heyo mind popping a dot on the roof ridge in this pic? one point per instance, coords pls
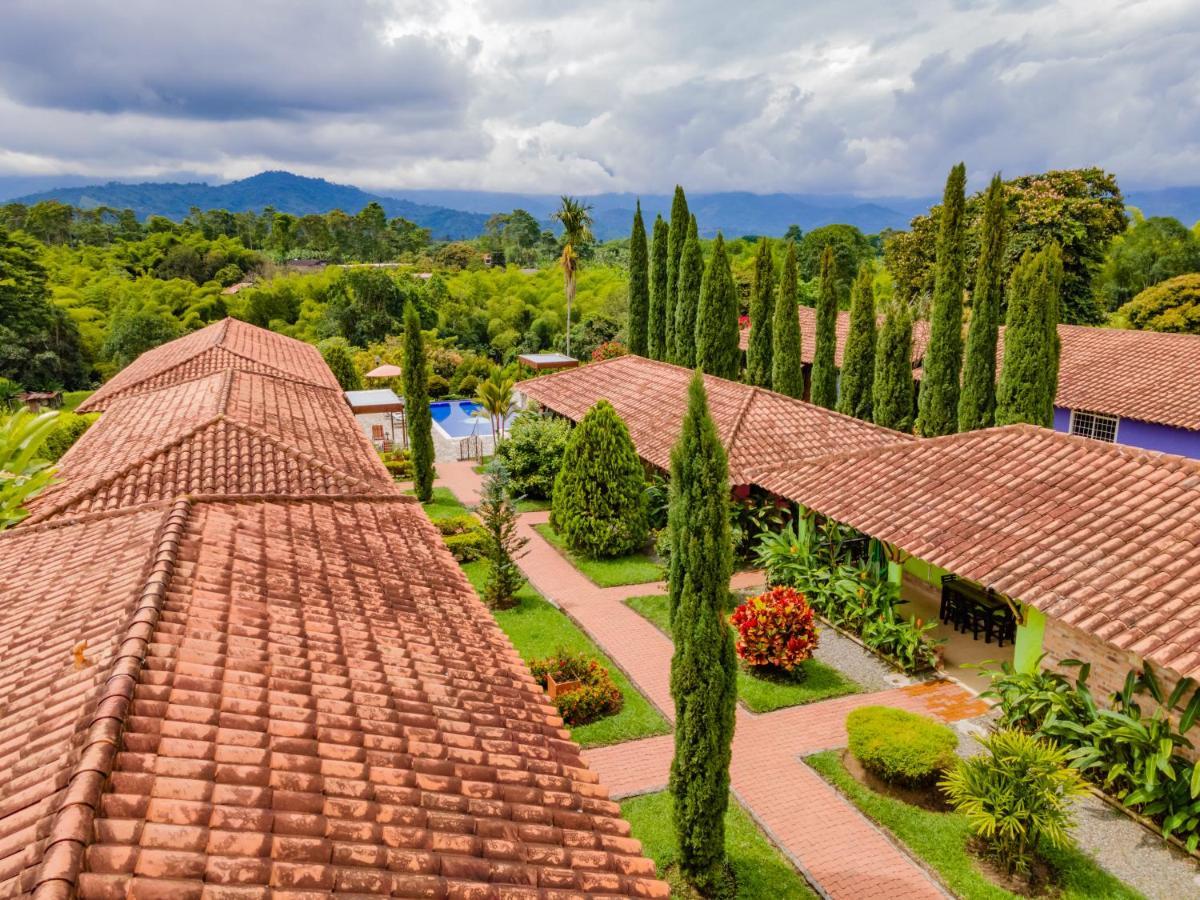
(28, 526)
(741, 415)
(71, 830)
(406, 499)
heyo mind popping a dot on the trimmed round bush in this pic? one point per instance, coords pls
(776, 629)
(900, 747)
(599, 503)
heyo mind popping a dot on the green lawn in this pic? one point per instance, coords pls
(636, 568)
(538, 629)
(527, 505)
(819, 682)
(443, 505)
(761, 871)
(940, 839)
(72, 399)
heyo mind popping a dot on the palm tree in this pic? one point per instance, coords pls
(576, 219)
(495, 395)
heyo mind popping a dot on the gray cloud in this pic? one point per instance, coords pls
(870, 96)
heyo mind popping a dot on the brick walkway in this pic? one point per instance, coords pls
(836, 847)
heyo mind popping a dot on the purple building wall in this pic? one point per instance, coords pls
(1147, 435)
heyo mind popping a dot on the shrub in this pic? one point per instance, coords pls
(468, 386)
(398, 463)
(1015, 794)
(900, 747)
(533, 453)
(599, 508)
(467, 545)
(458, 524)
(597, 695)
(437, 386)
(775, 629)
(609, 350)
(69, 429)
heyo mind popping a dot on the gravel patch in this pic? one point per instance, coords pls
(857, 663)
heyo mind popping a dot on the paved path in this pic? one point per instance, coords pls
(836, 847)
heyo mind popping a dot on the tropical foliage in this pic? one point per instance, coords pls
(532, 453)
(775, 629)
(23, 471)
(595, 696)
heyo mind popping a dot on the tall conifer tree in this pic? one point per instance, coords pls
(892, 395)
(824, 370)
(691, 279)
(762, 311)
(1029, 379)
(787, 366)
(977, 402)
(717, 347)
(657, 329)
(639, 287)
(704, 665)
(858, 361)
(937, 403)
(416, 405)
(676, 238)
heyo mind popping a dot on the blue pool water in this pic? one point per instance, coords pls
(457, 418)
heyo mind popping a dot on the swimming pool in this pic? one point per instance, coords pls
(458, 419)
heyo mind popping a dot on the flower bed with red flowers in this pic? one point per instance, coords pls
(775, 629)
(595, 696)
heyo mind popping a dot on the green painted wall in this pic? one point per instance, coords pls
(1028, 648)
(927, 572)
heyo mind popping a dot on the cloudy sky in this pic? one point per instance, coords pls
(876, 97)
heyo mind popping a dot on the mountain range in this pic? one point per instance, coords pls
(458, 214)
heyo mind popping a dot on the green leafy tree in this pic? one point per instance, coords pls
(851, 249)
(824, 370)
(704, 665)
(893, 392)
(717, 346)
(24, 472)
(687, 300)
(134, 331)
(787, 367)
(1029, 379)
(977, 401)
(639, 287)
(502, 543)
(676, 238)
(1152, 251)
(576, 220)
(532, 454)
(762, 311)
(1171, 305)
(937, 403)
(659, 258)
(336, 353)
(858, 363)
(598, 495)
(416, 405)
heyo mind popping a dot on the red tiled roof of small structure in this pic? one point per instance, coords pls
(808, 335)
(222, 345)
(1103, 537)
(757, 426)
(231, 432)
(309, 697)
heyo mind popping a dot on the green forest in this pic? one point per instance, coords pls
(83, 292)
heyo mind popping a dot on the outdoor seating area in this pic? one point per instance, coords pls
(973, 610)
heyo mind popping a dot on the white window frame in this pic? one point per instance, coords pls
(1116, 420)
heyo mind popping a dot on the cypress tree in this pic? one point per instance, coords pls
(858, 362)
(762, 310)
(704, 665)
(717, 349)
(598, 505)
(787, 367)
(977, 402)
(687, 301)
(416, 405)
(1029, 379)
(676, 238)
(639, 287)
(824, 370)
(937, 403)
(892, 394)
(657, 329)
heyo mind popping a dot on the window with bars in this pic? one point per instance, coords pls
(1094, 425)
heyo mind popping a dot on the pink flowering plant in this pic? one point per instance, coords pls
(775, 629)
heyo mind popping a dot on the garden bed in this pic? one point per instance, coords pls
(538, 629)
(759, 869)
(762, 693)
(636, 568)
(942, 841)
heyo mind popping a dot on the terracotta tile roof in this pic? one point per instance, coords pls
(231, 432)
(808, 335)
(1103, 537)
(324, 705)
(757, 426)
(222, 345)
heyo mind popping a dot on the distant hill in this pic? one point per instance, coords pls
(455, 214)
(284, 191)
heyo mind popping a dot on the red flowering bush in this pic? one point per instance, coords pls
(775, 629)
(596, 696)
(609, 350)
